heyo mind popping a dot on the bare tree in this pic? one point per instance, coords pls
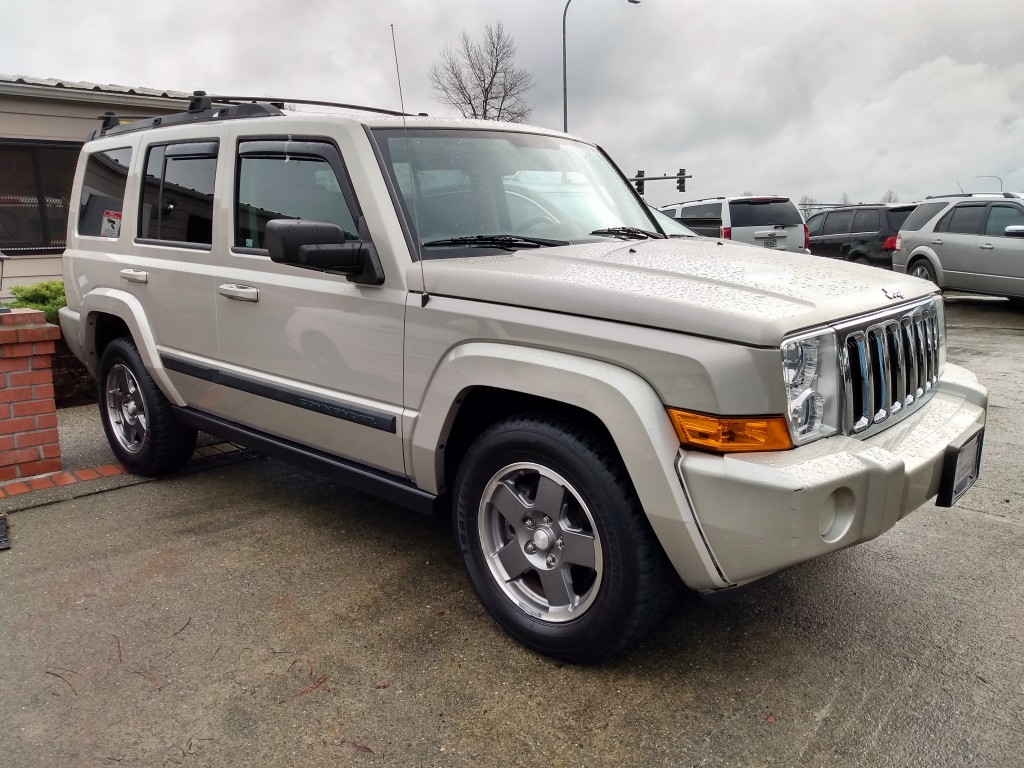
(845, 199)
(480, 78)
(890, 196)
(808, 204)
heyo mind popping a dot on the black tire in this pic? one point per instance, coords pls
(923, 269)
(609, 581)
(862, 260)
(136, 416)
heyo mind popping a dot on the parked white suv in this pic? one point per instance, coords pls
(485, 318)
(771, 222)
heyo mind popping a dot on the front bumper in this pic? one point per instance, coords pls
(759, 513)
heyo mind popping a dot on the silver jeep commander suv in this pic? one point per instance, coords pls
(486, 319)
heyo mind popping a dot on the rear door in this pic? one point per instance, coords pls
(771, 222)
(955, 243)
(172, 267)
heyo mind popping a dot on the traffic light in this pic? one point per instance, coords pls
(640, 182)
(681, 181)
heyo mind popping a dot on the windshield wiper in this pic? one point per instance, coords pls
(627, 233)
(505, 242)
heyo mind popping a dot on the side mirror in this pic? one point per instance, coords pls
(1014, 230)
(322, 246)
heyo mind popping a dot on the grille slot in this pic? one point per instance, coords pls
(887, 366)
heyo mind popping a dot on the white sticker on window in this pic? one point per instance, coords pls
(111, 224)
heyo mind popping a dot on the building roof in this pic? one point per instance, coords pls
(99, 88)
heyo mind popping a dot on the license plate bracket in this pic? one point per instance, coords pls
(960, 467)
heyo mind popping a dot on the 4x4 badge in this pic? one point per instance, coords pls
(892, 293)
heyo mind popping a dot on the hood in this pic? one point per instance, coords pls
(697, 286)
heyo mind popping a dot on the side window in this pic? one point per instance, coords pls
(963, 220)
(289, 180)
(867, 220)
(1002, 216)
(106, 176)
(837, 223)
(701, 211)
(177, 193)
(814, 224)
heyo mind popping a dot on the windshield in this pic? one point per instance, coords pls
(476, 184)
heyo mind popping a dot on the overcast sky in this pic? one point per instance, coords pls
(792, 97)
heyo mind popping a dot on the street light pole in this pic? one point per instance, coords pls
(565, 79)
(992, 177)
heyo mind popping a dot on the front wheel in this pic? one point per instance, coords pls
(555, 542)
(136, 416)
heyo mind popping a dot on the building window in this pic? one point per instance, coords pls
(35, 185)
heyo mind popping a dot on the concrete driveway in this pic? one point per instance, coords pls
(249, 614)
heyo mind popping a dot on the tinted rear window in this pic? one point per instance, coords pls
(767, 213)
(921, 215)
(897, 217)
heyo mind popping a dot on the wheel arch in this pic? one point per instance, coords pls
(479, 382)
(924, 254)
(109, 314)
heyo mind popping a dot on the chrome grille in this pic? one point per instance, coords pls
(888, 365)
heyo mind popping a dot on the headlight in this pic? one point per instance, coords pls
(812, 386)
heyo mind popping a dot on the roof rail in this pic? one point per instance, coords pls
(1010, 195)
(314, 102)
(203, 107)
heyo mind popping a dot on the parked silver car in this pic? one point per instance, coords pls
(968, 242)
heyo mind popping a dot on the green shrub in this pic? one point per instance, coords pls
(47, 296)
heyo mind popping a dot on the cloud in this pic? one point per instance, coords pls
(793, 96)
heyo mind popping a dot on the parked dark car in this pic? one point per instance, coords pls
(865, 234)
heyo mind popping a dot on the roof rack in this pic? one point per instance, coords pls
(203, 108)
(1011, 195)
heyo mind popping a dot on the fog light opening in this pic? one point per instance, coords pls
(836, 515)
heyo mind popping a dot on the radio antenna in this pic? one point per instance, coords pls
(425, 297)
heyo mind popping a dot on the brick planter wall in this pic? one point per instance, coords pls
(29, 444)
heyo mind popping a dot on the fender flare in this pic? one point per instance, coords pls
(625, 403)
(120, 304)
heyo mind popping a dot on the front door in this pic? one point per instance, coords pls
(306, 356)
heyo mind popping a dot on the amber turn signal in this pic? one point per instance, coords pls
(731, 435)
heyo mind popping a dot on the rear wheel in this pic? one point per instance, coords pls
(555, 542)
(921, 268)
(136, 416)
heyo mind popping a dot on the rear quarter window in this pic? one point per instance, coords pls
(922, 215)
(701, 211)
(103, 186)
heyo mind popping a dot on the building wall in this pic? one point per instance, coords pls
(46, 116)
